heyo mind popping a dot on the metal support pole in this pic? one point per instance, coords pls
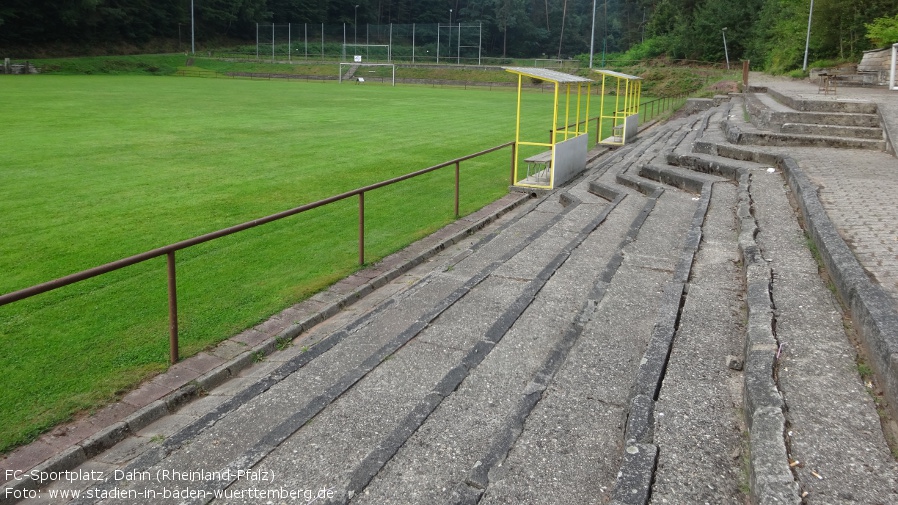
(514, 157)
(807, 41)
(289, 43)
(272, 42)
(361, 228)
(456, 187)
(725, 52)
(172, 310)
(257, 41)
(192, 31)
(480, 45)
(413, 42)
(592, 36)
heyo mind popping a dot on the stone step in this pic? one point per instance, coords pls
(804, 105)
(769, 111)
(859, 132)
(743, 135)
(363, 375)
(802, 448)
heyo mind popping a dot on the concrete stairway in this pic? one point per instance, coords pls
(656, 332)
(350, 72)
(778, 120)
(814, 434)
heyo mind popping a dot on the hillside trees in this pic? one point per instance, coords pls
(769, 32)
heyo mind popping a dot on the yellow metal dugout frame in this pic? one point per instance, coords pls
(625, 115)
(567, 141)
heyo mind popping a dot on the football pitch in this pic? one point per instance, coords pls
(100, 168)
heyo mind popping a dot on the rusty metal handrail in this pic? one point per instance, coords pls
(169, 250)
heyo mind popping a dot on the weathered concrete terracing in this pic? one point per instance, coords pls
(655, 332)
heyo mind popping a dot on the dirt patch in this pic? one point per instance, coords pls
(724, 87)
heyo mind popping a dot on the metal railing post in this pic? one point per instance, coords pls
(514, 152)
(457, 163)
(361, 228)
(172, 310)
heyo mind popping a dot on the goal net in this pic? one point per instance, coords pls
(367, 52)
(363, 72)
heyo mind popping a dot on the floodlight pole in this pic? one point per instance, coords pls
(355, 28)
(592, 37)
(726, 54)
(450, 33)
(192, 31)
(604, 33)
(807, 41)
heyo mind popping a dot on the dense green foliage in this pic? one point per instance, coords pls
(771, 33)
(883, 31)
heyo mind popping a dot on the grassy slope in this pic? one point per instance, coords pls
(106, 167)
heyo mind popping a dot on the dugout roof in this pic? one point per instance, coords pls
(611, 73)
(547, 75)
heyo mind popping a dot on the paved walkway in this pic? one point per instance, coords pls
(858, 188)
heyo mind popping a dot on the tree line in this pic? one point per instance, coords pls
(771, 33)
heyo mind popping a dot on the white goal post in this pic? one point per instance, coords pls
(548, 63)
(360, 65)
(365, 49)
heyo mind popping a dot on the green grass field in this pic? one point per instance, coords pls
(98, 168)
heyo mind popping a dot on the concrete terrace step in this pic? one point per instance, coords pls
(748, 135)
(860, 132)
(848, 105)
(799, 128)
(365, 389)
(555, 327)
(588, 348)
(789, 308)
(768, 110)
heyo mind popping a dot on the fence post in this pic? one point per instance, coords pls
(514, 151)
(172, 310)
(362, 228)
(456, 187)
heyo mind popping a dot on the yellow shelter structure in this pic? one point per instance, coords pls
(568, 136)
(620, 121)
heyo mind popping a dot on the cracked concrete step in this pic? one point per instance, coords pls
(775, 113)
(569, 450)
(847, 105)
(467, 437)
(236, 431)
(766, 138)
(859, 132)
(836, 457)
(698, 427)
(300, 386)
(737, 130)
(832, 430)
(378, 405)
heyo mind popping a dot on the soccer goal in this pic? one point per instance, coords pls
(359, 72)
(548, 63)
(369, 52)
